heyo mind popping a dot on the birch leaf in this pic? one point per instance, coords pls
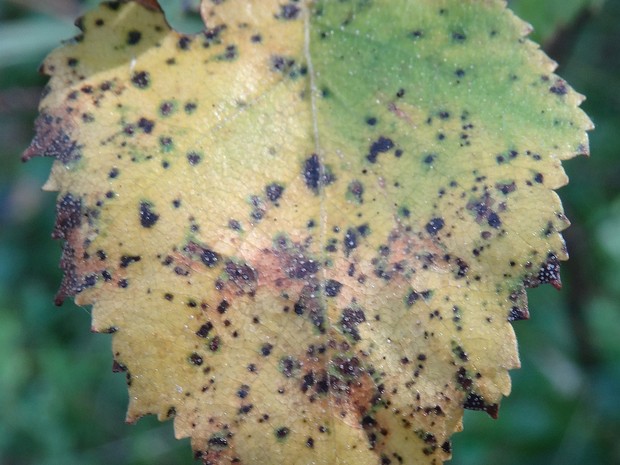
(310, 226)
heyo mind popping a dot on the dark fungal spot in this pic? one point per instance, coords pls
(518, 313)
(476, 402)
(381, 145)
(218, 442)
(400, 93)
(350, 240)
(282, 432)
(316, 174)
(308, 380)
(281, 63)
(209, 257)
(559, 88)
(141, 79)
(429, 159)
(371, 121)
(127, 260)
(494, 220)
(459, 37)
(312, 172)
(463, 380)
(288, 11)
(212, 34)
(256, 38)
(310, 443)
(332, 288)
(459, 352)
(356, 191)
(231, 52)
(348, 367)
(223, 306)
(506, 188)
(549, 273)
(417, 34)
(259, 208)
(243, 391)
(434, 226)
(539, 178)
(274, 191)
(167, 108)
(118, 367)
(214, 344)
(289, 366)
(166, 143)
(133, 37)
(265, 349)
(113, 173)
(90, 280)
(311, 305)
(204, 330)
(350, 319)
(195, 359)
(184, 42)
(459, 73)
(147, 216)
(190, 107)
(193, 158)
(146, 125)
(244, 409)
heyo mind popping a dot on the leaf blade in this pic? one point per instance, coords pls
(353, 243)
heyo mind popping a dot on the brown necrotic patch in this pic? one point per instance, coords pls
(80, 270)
(53, 139)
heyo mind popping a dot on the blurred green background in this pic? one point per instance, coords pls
(61, 404)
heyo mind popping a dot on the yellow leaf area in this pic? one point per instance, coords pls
(309, 226)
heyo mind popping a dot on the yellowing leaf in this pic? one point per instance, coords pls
(310, 226)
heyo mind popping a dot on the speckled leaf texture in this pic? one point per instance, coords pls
(309, 226)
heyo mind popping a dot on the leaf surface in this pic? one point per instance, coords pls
(310, 226)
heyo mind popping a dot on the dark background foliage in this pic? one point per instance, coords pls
(60, 403)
